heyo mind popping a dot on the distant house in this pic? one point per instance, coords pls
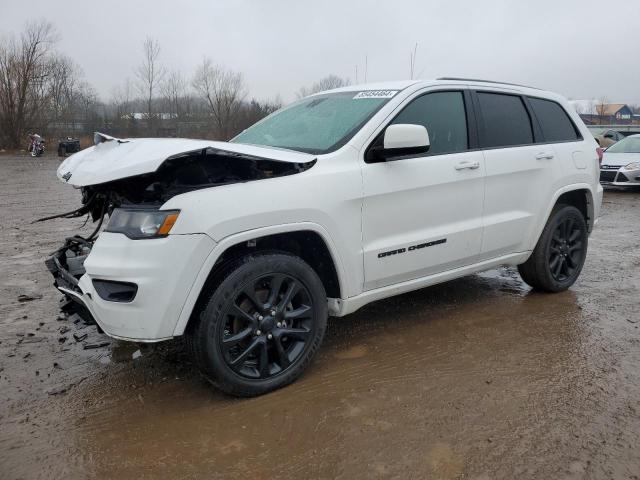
(594, 112)
(614, 113)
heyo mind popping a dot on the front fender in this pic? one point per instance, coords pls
(229, 241)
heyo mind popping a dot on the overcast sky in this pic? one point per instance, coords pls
(580, 48)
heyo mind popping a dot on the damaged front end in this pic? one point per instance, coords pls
(128, 181)
(67, 266)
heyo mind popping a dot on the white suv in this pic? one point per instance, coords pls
(335, 201)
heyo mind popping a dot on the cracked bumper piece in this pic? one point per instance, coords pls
(163, 270)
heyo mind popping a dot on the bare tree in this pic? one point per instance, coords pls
(121, 100)
(326, 83)
(122, 107)
(150, 73)
(223, 90)
(601, 106)
(63, 85)
(87, 105)
(23, 74)
(174, 92)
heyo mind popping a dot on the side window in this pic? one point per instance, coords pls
(555, 123)
(443, 114)
(506, 120)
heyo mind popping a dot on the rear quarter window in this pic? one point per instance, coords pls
(554, 121)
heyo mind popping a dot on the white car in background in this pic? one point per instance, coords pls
(621, 163)
(340, 199)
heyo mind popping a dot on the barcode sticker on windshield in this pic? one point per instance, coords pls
(376, 94)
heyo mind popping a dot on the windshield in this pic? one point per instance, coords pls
(318, 124)
(626, 145)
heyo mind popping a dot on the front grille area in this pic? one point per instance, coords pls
(622, 178)
(607, 176)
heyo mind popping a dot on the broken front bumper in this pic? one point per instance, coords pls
(160, 271)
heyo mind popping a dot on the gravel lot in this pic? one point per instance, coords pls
(479, 378)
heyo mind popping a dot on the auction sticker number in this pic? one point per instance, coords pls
(375, 94)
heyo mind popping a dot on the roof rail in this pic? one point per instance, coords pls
(484, 81)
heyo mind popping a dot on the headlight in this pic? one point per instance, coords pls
(137, 223)
(632, 166)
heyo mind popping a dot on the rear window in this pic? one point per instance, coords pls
(505, 119)
(555, 123)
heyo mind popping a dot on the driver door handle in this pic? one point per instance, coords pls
(467, 165)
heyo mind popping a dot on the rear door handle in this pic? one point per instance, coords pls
(467, 165)
(544, 156)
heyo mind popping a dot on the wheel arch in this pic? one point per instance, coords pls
(578, 195)
(309, 241)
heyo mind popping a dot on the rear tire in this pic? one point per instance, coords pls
(261, 326)
(559, 255)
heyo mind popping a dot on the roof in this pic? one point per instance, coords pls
(402, 84)
(609, 109)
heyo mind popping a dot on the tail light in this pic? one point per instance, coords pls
(600, 152)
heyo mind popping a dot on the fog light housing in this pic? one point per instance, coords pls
(114, 291)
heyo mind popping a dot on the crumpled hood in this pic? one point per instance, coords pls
(112, 158)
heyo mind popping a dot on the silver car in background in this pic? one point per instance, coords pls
(621, 163)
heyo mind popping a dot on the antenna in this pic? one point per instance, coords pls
(413, 59)
(365, 69)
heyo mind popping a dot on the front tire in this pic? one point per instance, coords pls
(559, 255)
(261, 326)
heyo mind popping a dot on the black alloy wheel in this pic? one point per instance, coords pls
(559, 255)
(566, 249)
(260, 325)
(267, 326)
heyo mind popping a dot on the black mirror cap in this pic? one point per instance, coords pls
(378, 153)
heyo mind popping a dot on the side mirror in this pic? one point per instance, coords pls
(406, 136)
(399, 140)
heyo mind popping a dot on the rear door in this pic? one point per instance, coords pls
(422, 214)
(522, 172)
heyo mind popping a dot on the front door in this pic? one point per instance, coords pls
(423, 214)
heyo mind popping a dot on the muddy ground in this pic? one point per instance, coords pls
(479, 378)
